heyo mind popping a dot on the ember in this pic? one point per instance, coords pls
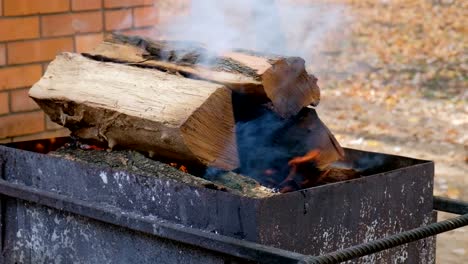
(299, 179)
(309, 157)
(181, 167)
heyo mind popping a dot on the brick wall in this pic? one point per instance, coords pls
(32, 32)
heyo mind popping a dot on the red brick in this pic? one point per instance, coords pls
(118, 19)
(21, 124)
(78, 5)
(123, 3)
(20, 101)
(145, 32)
(145, 16)
(2, 54)
(4, 103)
(37, 50)
(28, 7)
(86, 43)
(19, 28)
(170, 10)
(1, 8)
(18, 77)
(71, 23)
(44, 135)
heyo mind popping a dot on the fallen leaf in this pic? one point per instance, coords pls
(453, 193)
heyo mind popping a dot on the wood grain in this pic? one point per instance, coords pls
(143, 109)
(282, 80)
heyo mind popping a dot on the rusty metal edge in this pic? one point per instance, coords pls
(217, 243)
(214, 242)
(164, 229)
(450, 205)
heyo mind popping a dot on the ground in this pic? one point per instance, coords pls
(394, 80)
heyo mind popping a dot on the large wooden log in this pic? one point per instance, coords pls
(281, 80)
(137, 163)
(276, 151)
(142, 109)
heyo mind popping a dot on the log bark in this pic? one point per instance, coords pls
(282, 80)
(137, 163)
(142, 109)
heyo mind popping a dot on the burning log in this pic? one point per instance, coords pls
(323, 148)
(141, 109)
(134, 162)
(250, 116)
(315, 166)
(281, 80)
(288, 154)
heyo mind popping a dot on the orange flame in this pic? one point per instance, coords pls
(308, 157)
(90, 147)
(181, 167)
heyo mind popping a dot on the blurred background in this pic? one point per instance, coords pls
(393, 73)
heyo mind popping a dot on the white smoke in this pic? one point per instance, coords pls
(275, 26)
(286, 27)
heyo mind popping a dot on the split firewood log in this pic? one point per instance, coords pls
(288, 154)
(141, 109)
(282, 80)
(315, 152)
(134, 162)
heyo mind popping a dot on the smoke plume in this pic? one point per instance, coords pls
(286, 27)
